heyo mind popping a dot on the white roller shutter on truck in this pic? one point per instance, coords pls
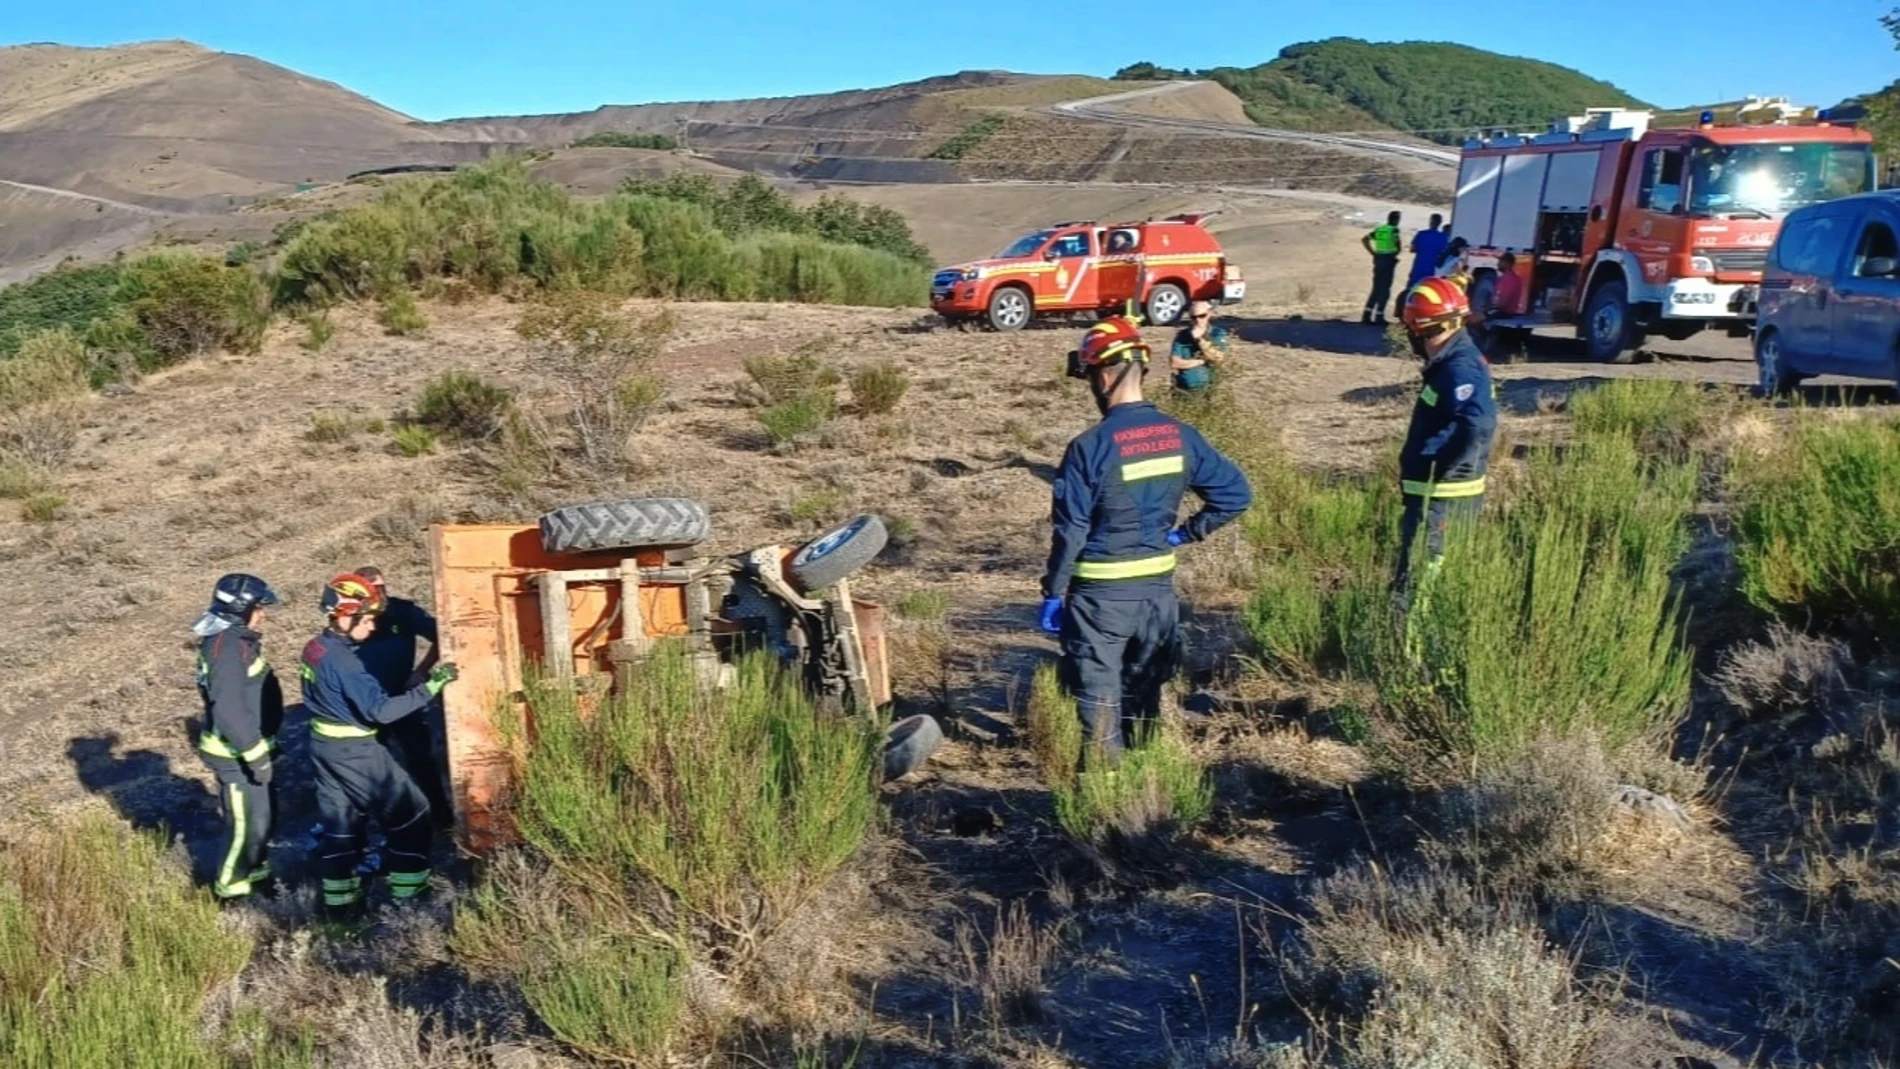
(1477, 194)
(1520, 199)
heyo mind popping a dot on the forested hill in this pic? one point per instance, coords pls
(1439, 91)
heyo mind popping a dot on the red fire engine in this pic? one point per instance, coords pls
(1625, 231)
(1159, 265)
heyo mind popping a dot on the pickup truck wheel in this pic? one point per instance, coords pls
(1166, 302)
(628, 523)
(1771, 366)
(1609, 327)
(909, 744)
(837, 553)
(1010, 308)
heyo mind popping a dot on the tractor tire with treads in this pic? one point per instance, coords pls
(626, 523)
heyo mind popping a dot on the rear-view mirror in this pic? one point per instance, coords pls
(1879, 267)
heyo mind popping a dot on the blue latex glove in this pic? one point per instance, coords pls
(1177, 537)
(1052, 615)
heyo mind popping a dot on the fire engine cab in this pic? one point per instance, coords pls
(1161, 265)
(1625, 231)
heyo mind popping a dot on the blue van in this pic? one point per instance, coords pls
(1830, 294)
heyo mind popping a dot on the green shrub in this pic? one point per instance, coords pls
(751, 206)
(924, 605)
(21, 479)
(876, 390)
(1660, 416)
(188, 304)
(319, 330)
(787, 378)
(671, 821)
(327, 426)
(107, 953)
(400, 314)
(1552, 614)
(597, 359)
(47, 365)
(616, 139)
(1157, 794)
(790, 267)
(69, 298)
(1818, 529)
(413, 440)
(42, 507)
(797, 418)
(966, 140)
(464, 405)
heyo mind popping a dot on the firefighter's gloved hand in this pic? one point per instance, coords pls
(1177, 537)
(443, 675)
(258, 771)
(1052, 615)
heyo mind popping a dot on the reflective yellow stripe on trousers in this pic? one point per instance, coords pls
(1126, 569)
(1463, 488)
(331, 730)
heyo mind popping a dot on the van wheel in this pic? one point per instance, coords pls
(1771, 366)
(1166, 302)
(1009, 309)
(1609, 328)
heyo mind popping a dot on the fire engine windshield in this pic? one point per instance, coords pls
(1025, 245)
(1771, 179)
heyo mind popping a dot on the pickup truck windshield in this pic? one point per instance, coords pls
(1025, 245)
(1770, 180)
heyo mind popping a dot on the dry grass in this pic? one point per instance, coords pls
(1787, 672)
(1435, 973)
(1007, 965)
(596, 360)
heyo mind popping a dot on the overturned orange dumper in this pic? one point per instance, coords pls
(592, 587)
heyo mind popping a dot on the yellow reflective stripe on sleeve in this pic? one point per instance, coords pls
(1463, 488)
(1126, 569)
(1148, 469)
(228, 885)
(255, 752)
(332, 730)
(257, 668)
(308, 673)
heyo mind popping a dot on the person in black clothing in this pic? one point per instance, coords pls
(390, 656)
(244, 708)
(357, 776)
(1109, 588)
(1448, 445)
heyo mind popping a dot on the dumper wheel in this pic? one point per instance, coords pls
(909, 744)
(627, 523)
(836, 554)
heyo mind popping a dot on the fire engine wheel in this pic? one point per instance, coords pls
(1166, 302)
(1010, 308)
(628, 523)
(909, 744)
(1608, 325)
(837, 553)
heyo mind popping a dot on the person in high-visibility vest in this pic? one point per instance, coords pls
(1448, 445)
(244, 707)
(1382, 244)
(357, 777)
(1109, 588)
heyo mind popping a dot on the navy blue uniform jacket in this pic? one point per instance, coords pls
(1118, 493)
(337, 688)
(1448, 446)
(390, 653)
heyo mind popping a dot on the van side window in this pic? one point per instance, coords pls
(1876, 240)
(1662, 180)
(1810, 246)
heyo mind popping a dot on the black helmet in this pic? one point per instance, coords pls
(236, 595)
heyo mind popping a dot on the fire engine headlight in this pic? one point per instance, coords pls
(1702, 264)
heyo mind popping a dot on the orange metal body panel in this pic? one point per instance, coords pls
(488, 617)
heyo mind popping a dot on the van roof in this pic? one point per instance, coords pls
(1848, 204)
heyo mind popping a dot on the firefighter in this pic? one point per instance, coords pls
(390, 656)
(1109, 588)
(244, 707)
(357, 776)
(1448, 446)
(1382, 244)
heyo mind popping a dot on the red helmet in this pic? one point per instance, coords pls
(1112, 341)
(352, 595)
(1435, 302)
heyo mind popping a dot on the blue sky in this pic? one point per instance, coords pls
(487, 57)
